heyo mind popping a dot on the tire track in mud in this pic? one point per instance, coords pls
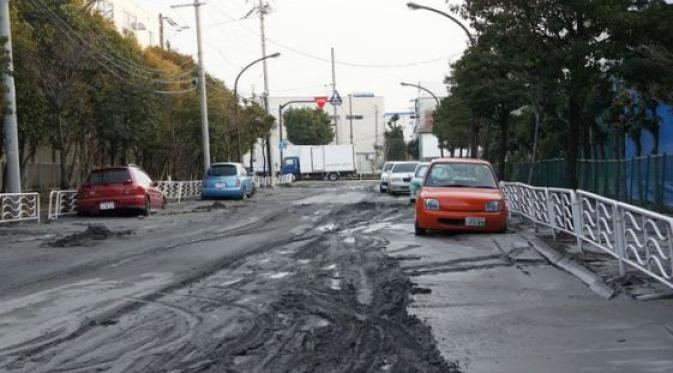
(240, 318)
(98, 264)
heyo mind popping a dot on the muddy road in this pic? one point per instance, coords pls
(318, 277)
(305, 287)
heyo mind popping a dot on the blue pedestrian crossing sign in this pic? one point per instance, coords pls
(283, 145)
(336, 99)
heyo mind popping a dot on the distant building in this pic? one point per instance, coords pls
(368, 128)
(428, 144)
(407, 121)
(129, 17)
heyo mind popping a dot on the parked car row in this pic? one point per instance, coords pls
(449, 194)
(129, 188)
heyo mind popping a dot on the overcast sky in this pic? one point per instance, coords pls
(391, 42)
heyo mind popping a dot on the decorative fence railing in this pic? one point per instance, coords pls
(266, 181)
(286, 179)
(634, 236)
(62, 202)
(179, 190)
(17, 207)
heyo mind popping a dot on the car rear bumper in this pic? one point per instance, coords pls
(92, 204)
(399, 187)
(227, 192)
(455, 220)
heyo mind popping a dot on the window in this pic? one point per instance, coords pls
(143, 179)
(402, 168)
(387, 167)
(105, 8)
(130, 21)
(223, 170)
(109, 176)
(457, 175)
(421, 171)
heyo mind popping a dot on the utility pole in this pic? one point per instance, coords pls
(376, 134)
(13, 180)
(205, 133)
(161, 30)
(269, 148)
(334, 91)
(350, 115)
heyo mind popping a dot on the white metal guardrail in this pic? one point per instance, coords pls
(17, 207)
(179, 190)
(636, 237)
(286, 179)
(61, 202)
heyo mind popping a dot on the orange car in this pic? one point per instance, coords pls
(460, 195)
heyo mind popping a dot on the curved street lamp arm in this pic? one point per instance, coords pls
(415, 6)
(439, 103)
(251, 64)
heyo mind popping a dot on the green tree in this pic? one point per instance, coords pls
(394, 147)
(452, 122)
(575, 46)
(308, 127)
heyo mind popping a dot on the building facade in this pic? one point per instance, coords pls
(428, 144)
(367, 121)
(129, 17)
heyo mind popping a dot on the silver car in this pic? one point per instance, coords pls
(400, 177)
(385, 176)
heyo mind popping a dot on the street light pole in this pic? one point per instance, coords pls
(13, 180)
(238, 77)
(280, 121)
(439, 103)
(414, 6)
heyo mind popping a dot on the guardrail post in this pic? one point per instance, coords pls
(59, 205)
(180, 184)
(551, 213)
(619, 236)
(670, 245)
(576, 206)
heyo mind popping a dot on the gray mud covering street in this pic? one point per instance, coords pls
(94, 232)
(214, 207)
(313, 292)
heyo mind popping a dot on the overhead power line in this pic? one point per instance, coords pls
(327, 60)
(77, 40)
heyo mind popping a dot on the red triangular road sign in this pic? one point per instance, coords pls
(321, 101)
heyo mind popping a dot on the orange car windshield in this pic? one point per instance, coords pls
(460, 175)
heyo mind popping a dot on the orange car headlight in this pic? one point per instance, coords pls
(431, 204)
(493, 206)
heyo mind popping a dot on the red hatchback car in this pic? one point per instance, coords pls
(119, 188)
(460, 195)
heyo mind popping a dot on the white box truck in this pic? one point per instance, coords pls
(330, 162)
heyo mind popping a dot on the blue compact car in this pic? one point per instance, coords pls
(227, 180)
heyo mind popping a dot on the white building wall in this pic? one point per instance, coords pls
(368, 127)
(129, 16)
(428, 143)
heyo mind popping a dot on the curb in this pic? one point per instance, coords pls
(596, 283)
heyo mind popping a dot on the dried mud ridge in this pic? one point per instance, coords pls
(94, 232)
(322, 302)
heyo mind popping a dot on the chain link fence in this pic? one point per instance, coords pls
(644, 181)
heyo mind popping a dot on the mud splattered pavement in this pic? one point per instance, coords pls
(319, 277)
(309, 289)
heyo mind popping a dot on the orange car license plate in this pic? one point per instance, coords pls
(475, 222)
